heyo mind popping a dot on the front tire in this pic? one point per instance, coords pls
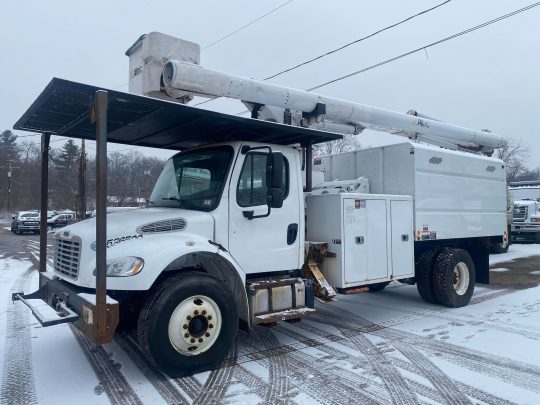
(188, 324)
(454, 278)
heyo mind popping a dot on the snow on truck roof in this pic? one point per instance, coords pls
(63, 108)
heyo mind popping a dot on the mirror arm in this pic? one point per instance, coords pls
(249, 214)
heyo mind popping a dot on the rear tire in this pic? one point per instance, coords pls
(424, 275)
(377, 286)
(454, 278)
(188, 324)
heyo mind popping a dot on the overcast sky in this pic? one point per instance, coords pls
(487, 79)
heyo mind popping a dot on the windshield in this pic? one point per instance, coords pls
(193, 180)
(529, 193)
(30, 215)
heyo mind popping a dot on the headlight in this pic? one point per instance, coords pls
(124, 266)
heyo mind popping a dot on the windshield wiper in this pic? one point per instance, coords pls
(172, 198)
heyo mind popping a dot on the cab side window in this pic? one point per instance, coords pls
(252, 186)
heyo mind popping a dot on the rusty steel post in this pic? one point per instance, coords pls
(45, 139)
(100, 114)
(309, 167)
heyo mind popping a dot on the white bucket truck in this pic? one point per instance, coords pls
(221, 242)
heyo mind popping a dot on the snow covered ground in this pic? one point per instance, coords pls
(388, 347)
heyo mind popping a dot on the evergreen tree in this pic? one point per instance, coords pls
(8, 146)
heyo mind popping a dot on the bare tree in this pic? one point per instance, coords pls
(349, 143)
(514, 154)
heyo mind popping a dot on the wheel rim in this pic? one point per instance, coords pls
(195, 325)
(461, 278)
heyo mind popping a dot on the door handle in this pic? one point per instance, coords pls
(359, 240)
(292, 232)
(404, 237)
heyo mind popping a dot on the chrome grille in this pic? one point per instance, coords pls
(520, 213)
(67, 254)
(167, 225)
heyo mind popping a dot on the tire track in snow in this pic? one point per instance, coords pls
(453, 390)
(277, 369)
(519, 374)
(318, 376)
(113, 382)
(161, 383)
(215, 387)
(18, 385)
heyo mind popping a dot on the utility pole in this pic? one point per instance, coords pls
(9, 185)
(82, 182)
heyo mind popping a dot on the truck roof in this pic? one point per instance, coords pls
(63, 108)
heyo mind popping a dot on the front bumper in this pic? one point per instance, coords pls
(72, 304)
(28, 227)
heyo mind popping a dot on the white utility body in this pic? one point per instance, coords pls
(222, 239)
(371, 235)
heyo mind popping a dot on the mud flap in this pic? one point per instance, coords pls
(480, 256)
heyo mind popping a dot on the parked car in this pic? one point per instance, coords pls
(25, 221)
(60, 220)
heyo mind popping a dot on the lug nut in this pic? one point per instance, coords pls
(192, 340)
(203, 312)
(186, 335)
(200, 340)
(196, 312)
(209, 317)
(185, 326)
(189, 317)
(210, 326)
(207, 334)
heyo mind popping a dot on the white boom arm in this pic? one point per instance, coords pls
(191, 78)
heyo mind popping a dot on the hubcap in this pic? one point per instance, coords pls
(461, 278)
(195, 325)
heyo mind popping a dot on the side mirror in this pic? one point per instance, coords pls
(275, 198)
(274, 170)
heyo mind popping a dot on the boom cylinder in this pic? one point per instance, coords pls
(205, 82)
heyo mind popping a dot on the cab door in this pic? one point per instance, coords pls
(265, 243)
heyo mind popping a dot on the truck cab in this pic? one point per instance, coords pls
(526, 213)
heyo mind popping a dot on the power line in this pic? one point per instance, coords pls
(403, 55)
(342, 47)
(358, 40)
(227, 36)
(247, 25)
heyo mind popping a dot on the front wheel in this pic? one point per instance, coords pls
(188, 324)
(453, 278)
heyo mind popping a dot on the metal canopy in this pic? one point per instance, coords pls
(63, 108)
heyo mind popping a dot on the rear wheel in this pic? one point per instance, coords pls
(454, 278)
(424, 275)
(188, 324)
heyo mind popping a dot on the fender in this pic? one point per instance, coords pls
(220, 265)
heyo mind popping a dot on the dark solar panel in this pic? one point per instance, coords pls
(63, 108)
